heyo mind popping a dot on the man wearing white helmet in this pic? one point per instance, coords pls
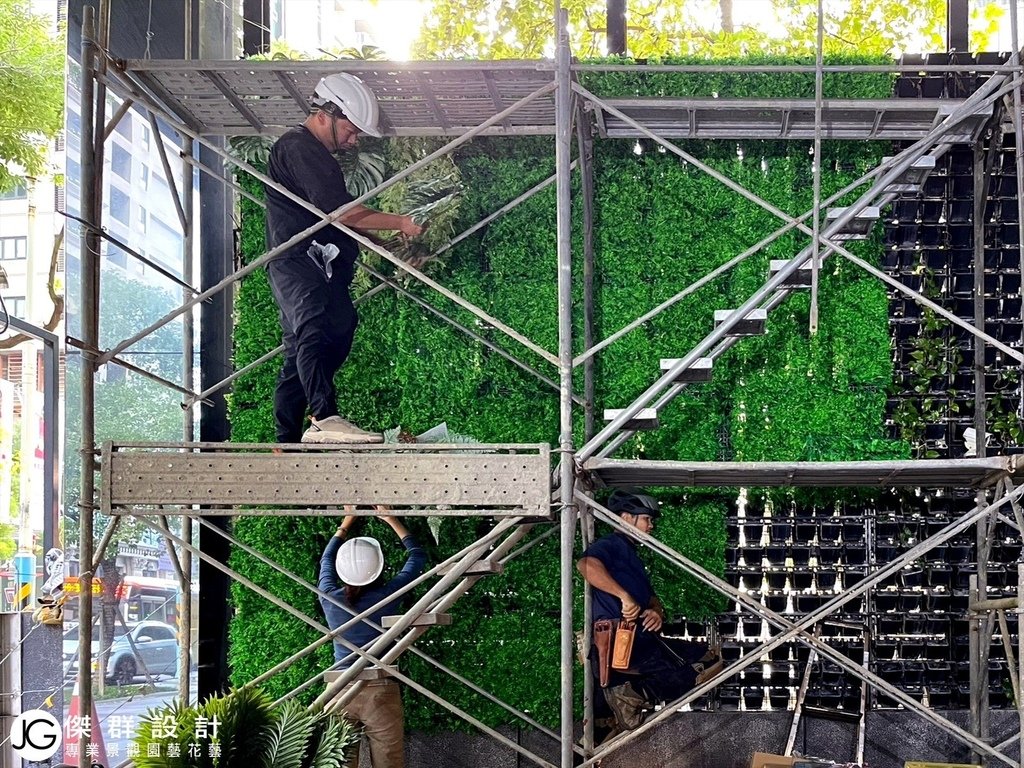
(310, 281)
(350, 573)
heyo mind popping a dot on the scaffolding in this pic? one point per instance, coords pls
(513, 483)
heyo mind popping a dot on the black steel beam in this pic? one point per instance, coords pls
(616, 27)
(255, 27)
(216, 40)
(216, 253)
(957, 15)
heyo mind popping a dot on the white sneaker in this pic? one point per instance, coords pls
(335, 429)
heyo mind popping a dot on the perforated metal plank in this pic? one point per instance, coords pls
(857, 228)
(780, 118)
(448, 98)
(913, 177)
(698, 372)
(416, 98)
(752, 324)
(799, 279)
(494, 480)
(951, 473)
(968, 128)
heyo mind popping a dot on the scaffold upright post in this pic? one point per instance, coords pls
(587, 535)
(99, 148)
(1020, 656)
(585, 146)
(979, 298)
(976, 673)
(88, 292)
(188, 413)
(986, 624)
(563, 138)
(1018, 131)
(819, 63)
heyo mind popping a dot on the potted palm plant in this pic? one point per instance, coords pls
(242, 729)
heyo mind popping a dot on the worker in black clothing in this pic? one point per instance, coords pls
(661, 669)
(310, 280)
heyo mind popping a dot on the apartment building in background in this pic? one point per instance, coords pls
(35, 236)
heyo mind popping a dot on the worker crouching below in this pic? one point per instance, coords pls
(350, 573)
(635, 667)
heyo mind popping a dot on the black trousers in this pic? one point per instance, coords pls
(319, 322)
(661, 669)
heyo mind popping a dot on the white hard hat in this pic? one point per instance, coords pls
(359, 561)
(353, 97)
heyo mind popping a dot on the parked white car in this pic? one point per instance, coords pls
(156, 648)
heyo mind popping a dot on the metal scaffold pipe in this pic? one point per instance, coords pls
(816, 169)
(567, 517)
(89, 298)
(800, 626)
(188, 427)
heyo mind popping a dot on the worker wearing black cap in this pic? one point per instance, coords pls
(660, 669)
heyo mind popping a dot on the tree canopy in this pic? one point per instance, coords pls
(32, 83)
(128, 406)
(497, 29)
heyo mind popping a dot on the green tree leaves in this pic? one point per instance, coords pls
(32, 83)
(499, 29)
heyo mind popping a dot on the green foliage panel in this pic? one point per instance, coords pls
(720, 82)
(504, 637)
(691, 524)
(660, 225)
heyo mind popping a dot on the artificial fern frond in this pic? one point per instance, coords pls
(335, 735)
(289, 737)
(245, 717)
(254, 150)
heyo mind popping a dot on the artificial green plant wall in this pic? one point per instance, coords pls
(659, 225)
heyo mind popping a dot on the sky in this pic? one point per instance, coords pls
(392, 24)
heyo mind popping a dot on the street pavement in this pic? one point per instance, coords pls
(121, 718)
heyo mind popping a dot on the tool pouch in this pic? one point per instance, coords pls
(604, 631)
(622, 649)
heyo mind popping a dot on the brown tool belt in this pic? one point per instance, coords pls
(613, 640)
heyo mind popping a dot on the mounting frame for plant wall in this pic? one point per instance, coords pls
(204, 100)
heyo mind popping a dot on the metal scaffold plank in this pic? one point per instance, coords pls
(411, 479)
(416, 98)
(935, 473)
(710, 118)
(446, 98)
